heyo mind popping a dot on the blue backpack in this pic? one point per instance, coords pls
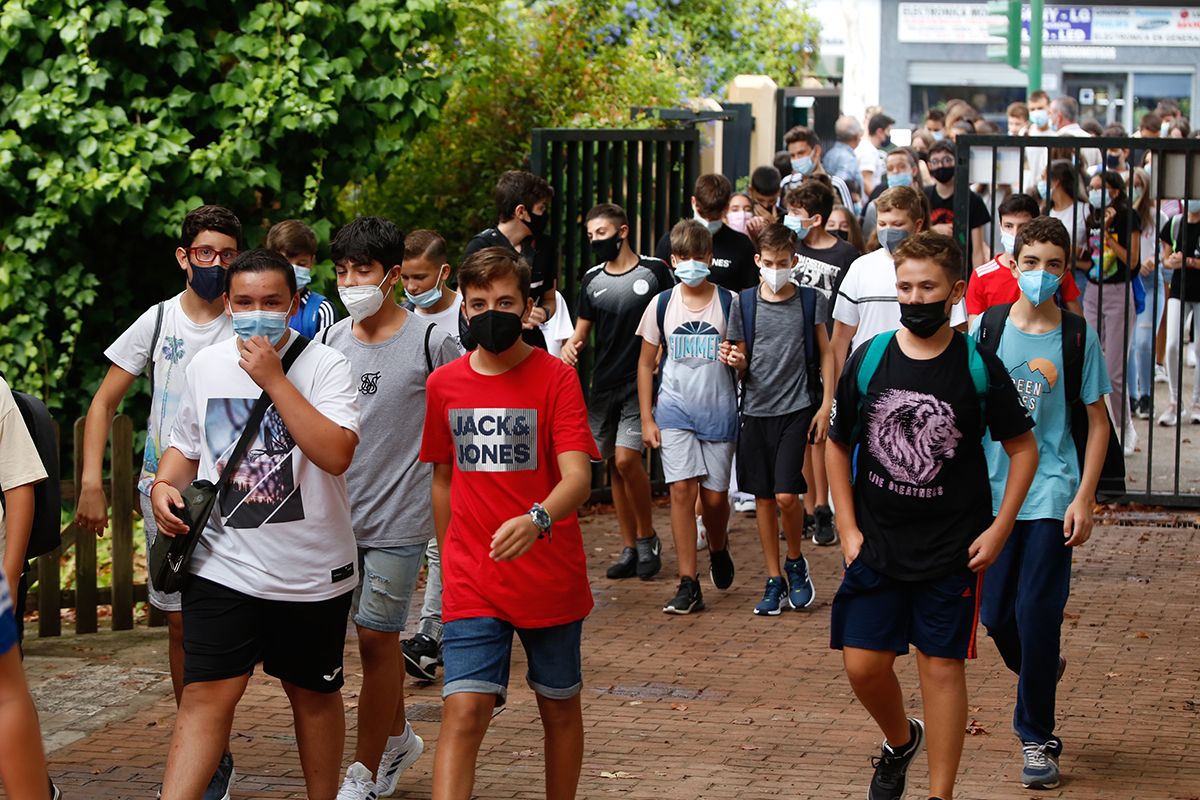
(305, 323)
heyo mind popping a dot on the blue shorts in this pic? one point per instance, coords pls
(874, 612)
(385, 589)
(8, 622)
(477, 653)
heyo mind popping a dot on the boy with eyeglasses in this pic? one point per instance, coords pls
(163, 341)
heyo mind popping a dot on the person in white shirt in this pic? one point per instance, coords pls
(867, 303)
(273, 572)
(871, 153)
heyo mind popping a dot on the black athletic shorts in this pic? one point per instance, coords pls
(225, 633)
(770, 454)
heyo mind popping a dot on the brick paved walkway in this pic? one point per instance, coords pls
(724, 704)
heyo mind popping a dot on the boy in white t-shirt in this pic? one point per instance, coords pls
(424, 273)
(866, 303)
(164, 338)
(273, 572)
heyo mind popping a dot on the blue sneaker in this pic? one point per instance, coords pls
(772, 601)
(801, 592)
(222, 779)
(1041, 766)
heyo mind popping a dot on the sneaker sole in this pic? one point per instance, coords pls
(806, 605)
(698, 606)
(621, 576)
(830, 543)
(414, 669)
(1036, 785)
(228, 786)
(774, 613)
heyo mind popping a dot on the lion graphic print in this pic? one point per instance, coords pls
(912, 434)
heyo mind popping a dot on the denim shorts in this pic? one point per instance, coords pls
(384, 593)
(477, 653)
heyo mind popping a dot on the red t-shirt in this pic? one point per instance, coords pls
(993, 284)
(503, 434)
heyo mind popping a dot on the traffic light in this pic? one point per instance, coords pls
(1004, 22)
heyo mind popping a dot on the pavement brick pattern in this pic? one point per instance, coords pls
(723, 704)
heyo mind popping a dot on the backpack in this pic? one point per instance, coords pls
(158, 318)
(428, 356)
(305, 323)
(878, 345)
(45, 534)
(1074, 339)
(748, 302)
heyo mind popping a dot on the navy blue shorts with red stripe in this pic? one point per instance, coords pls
(874, 612)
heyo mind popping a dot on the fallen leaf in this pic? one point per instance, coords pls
(749, 747)
(1142, 635)
(975, 729)
(1112, 674)
(743, 721)
(617, 774)
(679, 706)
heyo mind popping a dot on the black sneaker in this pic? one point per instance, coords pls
(824, 529)
(625, 566)
(687, 599)
(810, 527)
(421, 656)
(649, 557)
(720, 567)
(891, 768)
(1141, 408)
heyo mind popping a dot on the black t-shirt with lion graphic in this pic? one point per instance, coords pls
(921, 489)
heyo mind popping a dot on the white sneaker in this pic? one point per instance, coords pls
(1191, 358)
(1160, 373)
(701, 534)
(394, 762)
(1195, 413)
(1131, 439)
(745, 505)
(358, 784)
(1167, 418)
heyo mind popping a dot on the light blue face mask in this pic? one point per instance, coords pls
(1040, 117)
(1037, 285)
(939, 135)
(1008, 241)
(1044, 189)
(713, 225)
(271, 324)
(803, 166)
(796, 224)
(1164, 130)
(890, 238)
(426, 299)
(1096, 198)
(303, 276)
(1193, 206)
(692, 272)
(901, 179)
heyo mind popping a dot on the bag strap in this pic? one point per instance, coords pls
(977, 368)
(158, 318)
(664, 298)
(1074, 331)
(991, 327)
(748, 303)
(870, 362)
(428, 357)
(257, 414)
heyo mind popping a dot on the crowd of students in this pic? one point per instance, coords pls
(767, 348)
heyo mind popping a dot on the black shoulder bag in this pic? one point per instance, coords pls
(170, 555)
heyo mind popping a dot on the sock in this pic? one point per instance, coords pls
(401, 741)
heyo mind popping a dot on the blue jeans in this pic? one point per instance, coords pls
(1141, 351)
(477, 652)
(388, 577)
(1024, 594)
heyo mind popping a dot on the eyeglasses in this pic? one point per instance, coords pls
(206, 256)
(941, 163)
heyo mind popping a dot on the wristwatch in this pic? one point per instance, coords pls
(541, 519)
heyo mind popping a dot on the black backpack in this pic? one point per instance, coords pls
(46, 534)
(1074, 338)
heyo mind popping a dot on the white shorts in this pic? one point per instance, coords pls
(684, 456)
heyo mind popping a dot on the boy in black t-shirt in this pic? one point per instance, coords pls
(732, 252)
(916, 524)
(941, 202)
(822, 260)
(612, 298)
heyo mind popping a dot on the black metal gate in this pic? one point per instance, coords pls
(1162, 461)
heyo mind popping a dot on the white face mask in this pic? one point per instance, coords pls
(775, 279)
(713, 225)
(362, 302)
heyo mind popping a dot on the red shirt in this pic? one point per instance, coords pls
(503, 434)
(993, 284)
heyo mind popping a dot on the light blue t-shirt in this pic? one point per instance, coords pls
(1035, 364)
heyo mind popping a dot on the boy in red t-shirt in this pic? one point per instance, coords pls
(993, 284)
(506, 430)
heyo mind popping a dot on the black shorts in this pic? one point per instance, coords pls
(770, 454)
(225, 633)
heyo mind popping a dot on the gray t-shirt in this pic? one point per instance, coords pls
(389, 488)
(776, 381)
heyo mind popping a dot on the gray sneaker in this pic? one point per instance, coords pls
(1041, 766)
(649, 557)
(221, 784)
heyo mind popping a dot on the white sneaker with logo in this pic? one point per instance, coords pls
(394, 762)
(358, 784)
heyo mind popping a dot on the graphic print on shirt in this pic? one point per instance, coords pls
(911, 434)
(173, 351)
(495, 439)
(263, 487)
(816, 274)
(369, 383)
(1034, 379)
(694, 342)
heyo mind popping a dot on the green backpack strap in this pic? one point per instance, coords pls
(875, 349)
(979, 373)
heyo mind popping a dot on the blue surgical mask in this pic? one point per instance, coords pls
(1096, 198)
(1044, 189)
(939, 135)
(890, 238)
(1053, 127)
(692, 272)
(271, 324)
(303, 276)
(803, 166)
(1164, 129)
(1037, 285)
(208, 282)
(713, 225)
(1040, 117)
(426, 299)
(901, 179)
(796, 224)
(1008, 241)
(1193, 206)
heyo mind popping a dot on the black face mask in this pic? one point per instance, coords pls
(942, 174)
(923, 319)
(1112, 160)
(842, 234)
(495, 331)
(537, 223)
(605, 250)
